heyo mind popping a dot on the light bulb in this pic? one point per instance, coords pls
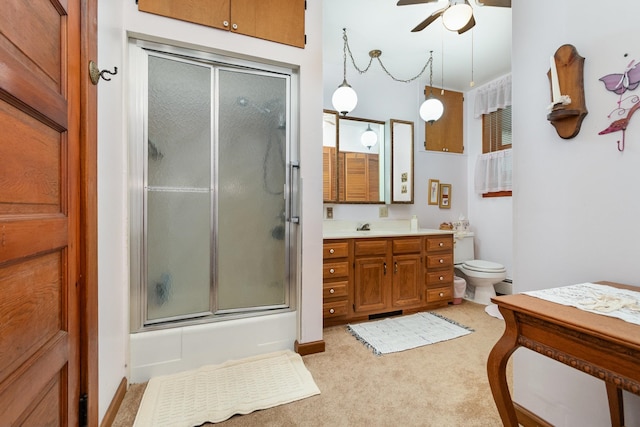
(344, 99)
(369, 138)
(457, 16)
(431, 110)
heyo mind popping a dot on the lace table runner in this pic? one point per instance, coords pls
(600, 299)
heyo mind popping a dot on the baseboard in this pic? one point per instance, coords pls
(308, 347)
(112, 410)
(527, 418)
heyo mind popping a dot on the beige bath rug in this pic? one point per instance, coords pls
(215, 393)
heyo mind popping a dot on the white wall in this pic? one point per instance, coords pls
(116, 21)
(575, 201)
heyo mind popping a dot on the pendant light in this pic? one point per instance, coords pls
(369, 137)
(431, 109)
(344, 99)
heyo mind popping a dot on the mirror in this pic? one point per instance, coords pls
(401, 161)
(330, 156)
(361, 160)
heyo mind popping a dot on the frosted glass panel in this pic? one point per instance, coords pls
(178, 208)
(178, 251)
(179, 129)
(251, 267)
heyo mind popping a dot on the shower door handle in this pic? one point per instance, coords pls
(294, 192)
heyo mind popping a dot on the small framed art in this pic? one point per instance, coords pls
(445, 196)
(434, 191)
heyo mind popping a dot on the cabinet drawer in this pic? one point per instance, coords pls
(370, 247)
(334, 289)
(334, 309)
(442, 277)
(335, 269)
(440, 260)
(335, 250)
(439, 294)
(439, 243)
(405, 246)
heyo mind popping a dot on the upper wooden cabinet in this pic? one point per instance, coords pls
(446, 134)
(280, 21)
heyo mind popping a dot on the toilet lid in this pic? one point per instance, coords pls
(484, 266)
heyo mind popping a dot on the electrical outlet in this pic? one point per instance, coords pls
(384, 211)
(329, 212)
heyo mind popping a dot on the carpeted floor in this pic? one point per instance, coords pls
(442, 384)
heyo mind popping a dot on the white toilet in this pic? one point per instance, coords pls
(480, 275)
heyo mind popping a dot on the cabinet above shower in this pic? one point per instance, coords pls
(367, 161)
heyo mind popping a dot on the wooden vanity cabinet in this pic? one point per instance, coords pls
(372, 290)
(336, 273)
(280, 21)
(366, 277)
(439, 269)
(406, 289)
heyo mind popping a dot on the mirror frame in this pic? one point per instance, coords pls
(397, 169)
(331, 161)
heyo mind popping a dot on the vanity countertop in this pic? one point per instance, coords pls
(349, 234)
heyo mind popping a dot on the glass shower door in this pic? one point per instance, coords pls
(213, 237)
(251, 232)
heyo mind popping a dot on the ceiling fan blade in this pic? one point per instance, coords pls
(470, 25)
(410, 2)
(435, 15)
(495, 3)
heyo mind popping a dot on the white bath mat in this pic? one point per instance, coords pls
(406, 332)
(217, 392)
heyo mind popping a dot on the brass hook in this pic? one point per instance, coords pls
(95, 73)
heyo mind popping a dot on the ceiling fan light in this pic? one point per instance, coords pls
(457, 16)
(431, 110)
(344, 99)
(369, 137)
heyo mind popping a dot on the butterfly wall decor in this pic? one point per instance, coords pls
(620, 83)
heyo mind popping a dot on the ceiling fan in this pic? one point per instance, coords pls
(456, 16)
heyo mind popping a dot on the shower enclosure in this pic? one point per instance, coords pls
(213, 209)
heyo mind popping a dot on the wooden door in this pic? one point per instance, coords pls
(280, 21)
(407, 283)
(371, 288)
(40, 191)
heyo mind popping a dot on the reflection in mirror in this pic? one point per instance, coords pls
(401, 161)
(361, 151)
(330, 156)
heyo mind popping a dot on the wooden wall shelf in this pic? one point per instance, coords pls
(567, 119)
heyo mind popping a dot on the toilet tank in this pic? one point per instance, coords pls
(463, 249)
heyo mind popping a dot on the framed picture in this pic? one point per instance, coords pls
(434, 191)
(445, 196)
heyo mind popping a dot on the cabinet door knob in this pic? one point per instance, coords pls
(331, 270)
(441, 244)
(225, 23)
(332, 311)
(331, 290)
(441, 278)
(441, 261)
(234, 26)
(331, 250)
(441, 294)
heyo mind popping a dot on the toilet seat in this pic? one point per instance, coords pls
(482, 266)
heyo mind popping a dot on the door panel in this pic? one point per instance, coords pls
(39, 212)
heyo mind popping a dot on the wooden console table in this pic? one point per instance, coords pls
(602, 346)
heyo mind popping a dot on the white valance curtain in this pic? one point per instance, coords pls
(493, 96)
(493, 172)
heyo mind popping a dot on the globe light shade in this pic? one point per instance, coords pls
(369, 138)
(431, 110)
(344, 99)
(457, 16)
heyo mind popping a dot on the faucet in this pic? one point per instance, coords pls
(363, 227)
